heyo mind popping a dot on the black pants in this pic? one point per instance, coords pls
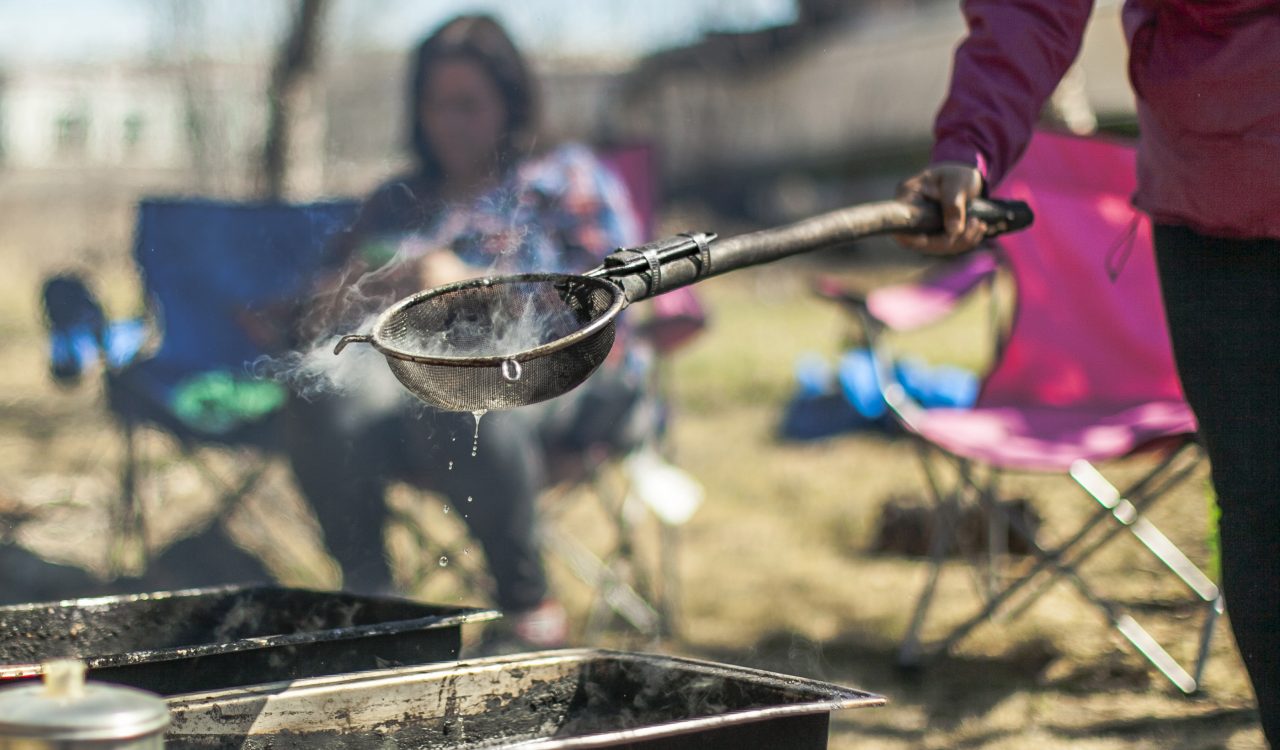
(1222, 298)
(343, 466)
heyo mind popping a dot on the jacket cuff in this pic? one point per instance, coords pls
(963, 154)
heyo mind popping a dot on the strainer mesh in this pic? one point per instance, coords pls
(464, 328)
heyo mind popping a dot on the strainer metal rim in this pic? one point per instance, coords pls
(604, 320)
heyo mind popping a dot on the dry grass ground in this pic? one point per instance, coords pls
(775, 566)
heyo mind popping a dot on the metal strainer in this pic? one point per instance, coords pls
(507, 341)
(446, 344)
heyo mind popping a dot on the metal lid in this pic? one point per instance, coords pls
(65, 708)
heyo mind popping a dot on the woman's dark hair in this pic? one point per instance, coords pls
(481, 40)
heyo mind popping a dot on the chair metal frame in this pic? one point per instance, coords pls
(1125, 508)
(621, 588)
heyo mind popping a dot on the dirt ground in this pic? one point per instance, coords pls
(775, 568)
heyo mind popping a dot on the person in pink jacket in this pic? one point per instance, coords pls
(1207, 78)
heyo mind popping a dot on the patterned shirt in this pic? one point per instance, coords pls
(561, 211)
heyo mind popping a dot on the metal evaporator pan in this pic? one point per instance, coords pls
(554, 699)
(207, 639)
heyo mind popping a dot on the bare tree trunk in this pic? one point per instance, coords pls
(289, 81)
(184, 46)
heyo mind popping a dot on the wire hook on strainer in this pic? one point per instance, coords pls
(506, 341)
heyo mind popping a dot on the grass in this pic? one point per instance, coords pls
(775, 566)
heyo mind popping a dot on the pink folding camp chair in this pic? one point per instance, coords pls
(1084, 374)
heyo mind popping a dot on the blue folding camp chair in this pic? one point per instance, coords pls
(206, 267)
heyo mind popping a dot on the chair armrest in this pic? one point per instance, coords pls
(907, 307)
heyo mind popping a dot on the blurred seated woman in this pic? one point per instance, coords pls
(481, 200)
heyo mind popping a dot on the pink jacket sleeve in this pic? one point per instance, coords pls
(1004, 71)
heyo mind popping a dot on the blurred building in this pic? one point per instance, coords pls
(849, 88)
(197, 120)
(845, 93)
(200, 126)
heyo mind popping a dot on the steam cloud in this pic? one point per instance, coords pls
(502, 320)
(359, 376)
(486, 325)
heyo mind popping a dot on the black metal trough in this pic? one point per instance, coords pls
(214, 638)
(554, 699)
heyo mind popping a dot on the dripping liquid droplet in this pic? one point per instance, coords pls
(475, 440)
